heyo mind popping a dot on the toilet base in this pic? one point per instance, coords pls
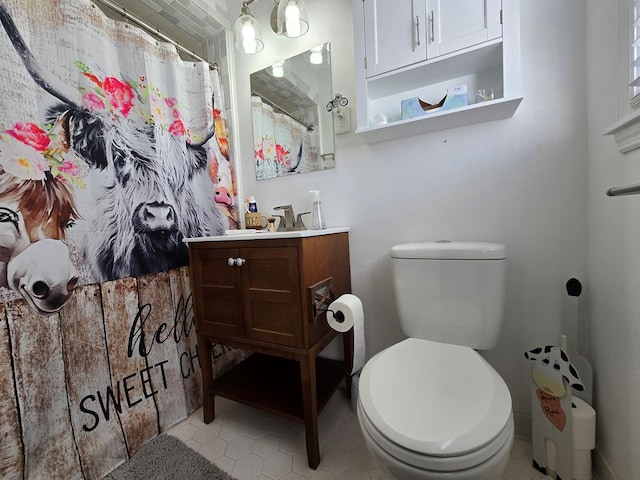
(491, 469)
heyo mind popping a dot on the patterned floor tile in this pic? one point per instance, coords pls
(255, 445)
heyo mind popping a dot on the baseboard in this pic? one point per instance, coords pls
(522, 423)
(601, 467)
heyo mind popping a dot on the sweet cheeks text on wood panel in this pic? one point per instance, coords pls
(133, 388)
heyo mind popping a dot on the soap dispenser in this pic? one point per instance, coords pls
(318, 221)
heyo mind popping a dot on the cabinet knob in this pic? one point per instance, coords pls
(231, 261)
(240, 261)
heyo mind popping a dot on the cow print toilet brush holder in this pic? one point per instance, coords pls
(563, 425)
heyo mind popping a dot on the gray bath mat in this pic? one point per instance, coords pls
(167, 458)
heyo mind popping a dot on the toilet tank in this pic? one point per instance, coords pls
(450, 292)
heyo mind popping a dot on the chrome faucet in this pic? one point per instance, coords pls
(286, 221)
(289, 221)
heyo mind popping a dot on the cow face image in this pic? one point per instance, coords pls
(34, 260)
(149, 191)
(552, 369)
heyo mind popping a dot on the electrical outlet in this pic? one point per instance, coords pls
(341, 120)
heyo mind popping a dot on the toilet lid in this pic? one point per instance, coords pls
(434, 398)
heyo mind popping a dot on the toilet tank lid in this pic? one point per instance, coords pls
(446, 250)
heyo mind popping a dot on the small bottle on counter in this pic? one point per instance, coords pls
(252, 218)
(253, 206)
(318, 221)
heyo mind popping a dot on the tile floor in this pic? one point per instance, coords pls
(254, 445)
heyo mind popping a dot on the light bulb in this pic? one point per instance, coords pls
(316, 56)
(249, 43)
(278, 69)
(292, 20)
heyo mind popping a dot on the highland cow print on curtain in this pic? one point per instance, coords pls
(112, 151)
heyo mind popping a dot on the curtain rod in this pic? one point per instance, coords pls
(282, 110)
(154, 31)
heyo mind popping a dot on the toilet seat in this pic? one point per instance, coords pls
(487, 454)
(435, 406)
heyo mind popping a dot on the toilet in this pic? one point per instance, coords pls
(430, 407)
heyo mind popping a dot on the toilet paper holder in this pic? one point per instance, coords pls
(321, 296)
(338, 315)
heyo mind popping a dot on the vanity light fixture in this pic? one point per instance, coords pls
(248, 32)
(293, 20)
(279, 69)
(289, 18)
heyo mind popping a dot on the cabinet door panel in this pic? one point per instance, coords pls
(219, 294)
(271, 295)
(395, 34)
(458, 24)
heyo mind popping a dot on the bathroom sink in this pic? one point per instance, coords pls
(264, 234)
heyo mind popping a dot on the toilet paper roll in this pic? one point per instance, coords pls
(351, 308)
(583, 419)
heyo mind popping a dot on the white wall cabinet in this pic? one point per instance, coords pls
(425, 48)
(399, 34)
(458, 24)
(395, 34)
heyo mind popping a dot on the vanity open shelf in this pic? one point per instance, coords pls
(459, 117)
(273, 384)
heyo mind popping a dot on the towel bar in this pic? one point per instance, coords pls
(628, 190)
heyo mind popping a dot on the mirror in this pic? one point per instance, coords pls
(292, 130)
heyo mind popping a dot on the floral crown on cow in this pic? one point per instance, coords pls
(36, 152)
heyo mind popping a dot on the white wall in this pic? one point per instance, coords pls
(521, 181)
(613, 255)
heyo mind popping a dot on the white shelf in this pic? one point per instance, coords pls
(626, 133)
(477, 113)
(456, 64)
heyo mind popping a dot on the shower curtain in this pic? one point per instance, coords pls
(282, 145)
(112, 151)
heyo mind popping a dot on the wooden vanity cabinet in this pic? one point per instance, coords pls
(258, 300)
(258, 295)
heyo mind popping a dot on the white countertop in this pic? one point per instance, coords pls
(265, 235)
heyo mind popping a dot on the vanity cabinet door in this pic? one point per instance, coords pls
(217, 292)
(271, 295)
(395, 34)
(457, 24)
